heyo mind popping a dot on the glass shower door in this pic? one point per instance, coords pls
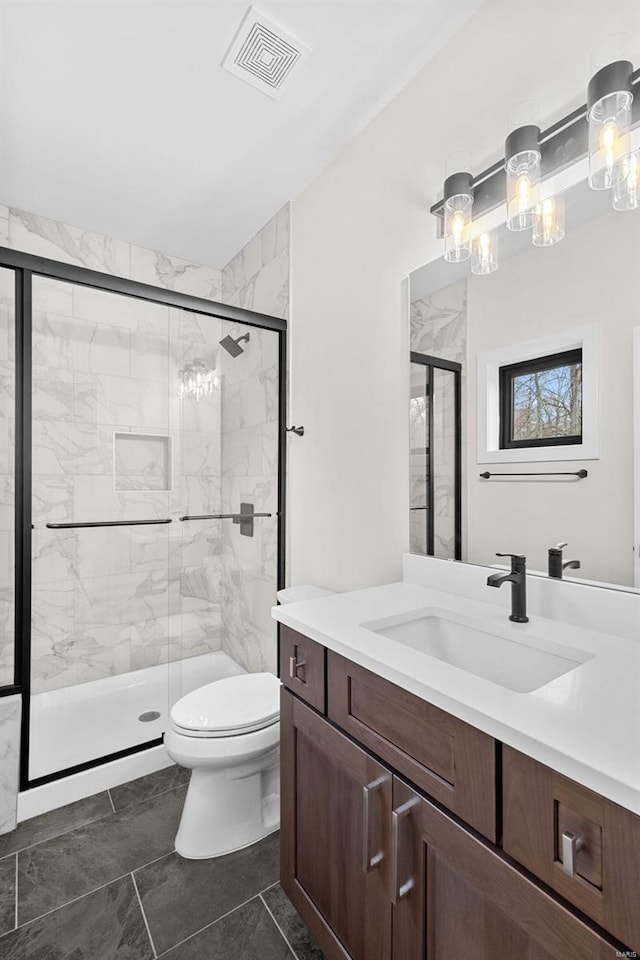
(420, 471)
(225, 412)
(155, 464)
(435, 428)
(102, 457)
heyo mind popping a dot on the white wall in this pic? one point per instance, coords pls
(359, 228)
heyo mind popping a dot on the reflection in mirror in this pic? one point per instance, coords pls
(436, 486)
(548, 348)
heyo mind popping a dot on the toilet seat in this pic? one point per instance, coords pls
(231, 707)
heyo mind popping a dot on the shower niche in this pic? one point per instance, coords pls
(137, 584)
(142, 461)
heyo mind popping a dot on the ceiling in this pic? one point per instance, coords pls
(116, 115)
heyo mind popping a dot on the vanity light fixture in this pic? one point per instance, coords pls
(197, 380)
(522, 165)
(484, 254)
(609, 99)
(458, 207)
(601, 130)
(626, 189)
(549, 225)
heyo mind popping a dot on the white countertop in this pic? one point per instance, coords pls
(585, 724)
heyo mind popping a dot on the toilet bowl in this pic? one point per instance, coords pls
(227, 733)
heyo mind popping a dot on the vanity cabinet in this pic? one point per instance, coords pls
(378, 872)
(449, 759)
(542, 812)
(455, 897)
(405, 833)
(335, 835)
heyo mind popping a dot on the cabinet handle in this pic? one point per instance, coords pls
(370, 861)
(570, 846)
(294, 666)
(399, 889)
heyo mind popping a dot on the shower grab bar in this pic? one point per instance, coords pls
(105, 523)
(238, 517)
(245, 518)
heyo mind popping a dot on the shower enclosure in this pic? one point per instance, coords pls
(435, 424)
(148, 505)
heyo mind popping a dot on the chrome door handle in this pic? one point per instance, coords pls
(399, 889)
(370, 861)
(294, 666)
(570, 846)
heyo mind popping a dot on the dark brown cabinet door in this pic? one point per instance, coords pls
(335, 815)
(458, 898)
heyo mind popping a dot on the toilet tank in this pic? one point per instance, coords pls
(303, 592)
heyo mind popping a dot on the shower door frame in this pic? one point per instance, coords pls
(451, 366)
(25, 267)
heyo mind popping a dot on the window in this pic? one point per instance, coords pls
(541, 401)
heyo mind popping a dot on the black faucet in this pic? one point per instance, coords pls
(518, 580)
(557, 565)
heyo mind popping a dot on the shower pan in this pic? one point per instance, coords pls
(149, 513)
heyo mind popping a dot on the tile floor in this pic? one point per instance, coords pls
(99, 880)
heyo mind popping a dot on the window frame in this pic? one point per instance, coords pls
(506, 376)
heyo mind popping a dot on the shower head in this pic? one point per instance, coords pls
(233, 346)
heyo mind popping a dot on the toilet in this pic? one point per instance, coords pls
(228, 732)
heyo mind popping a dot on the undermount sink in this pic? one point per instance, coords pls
(520, 663)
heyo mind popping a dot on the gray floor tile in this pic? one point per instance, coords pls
(56, 871)
(7, 894)
(248, 933)
(294, 929)
(181, 896)
(150, 786)
(105, 925)
(55, 823)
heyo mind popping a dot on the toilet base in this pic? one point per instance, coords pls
(223, 813)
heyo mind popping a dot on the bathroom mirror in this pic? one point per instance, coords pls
(524, 407)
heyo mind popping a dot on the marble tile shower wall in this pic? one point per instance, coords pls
(107, 601)
(257, 278)
(7, 483)
(111, 441)
(85, 248)
(250, 474)
(439, 328)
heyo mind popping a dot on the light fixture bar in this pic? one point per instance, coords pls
(562, 143)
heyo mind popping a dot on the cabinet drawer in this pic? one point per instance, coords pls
(302, 667)
(540, 806)
(448, 759)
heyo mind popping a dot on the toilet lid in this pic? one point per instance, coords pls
(234, 705)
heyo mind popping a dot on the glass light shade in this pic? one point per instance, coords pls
(523, 180)
(484, 255)
(457, 221)
(609, 121)
(609, 100)
(549, 226)
(626, 189)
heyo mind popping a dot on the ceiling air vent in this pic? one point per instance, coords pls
(263, 54)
